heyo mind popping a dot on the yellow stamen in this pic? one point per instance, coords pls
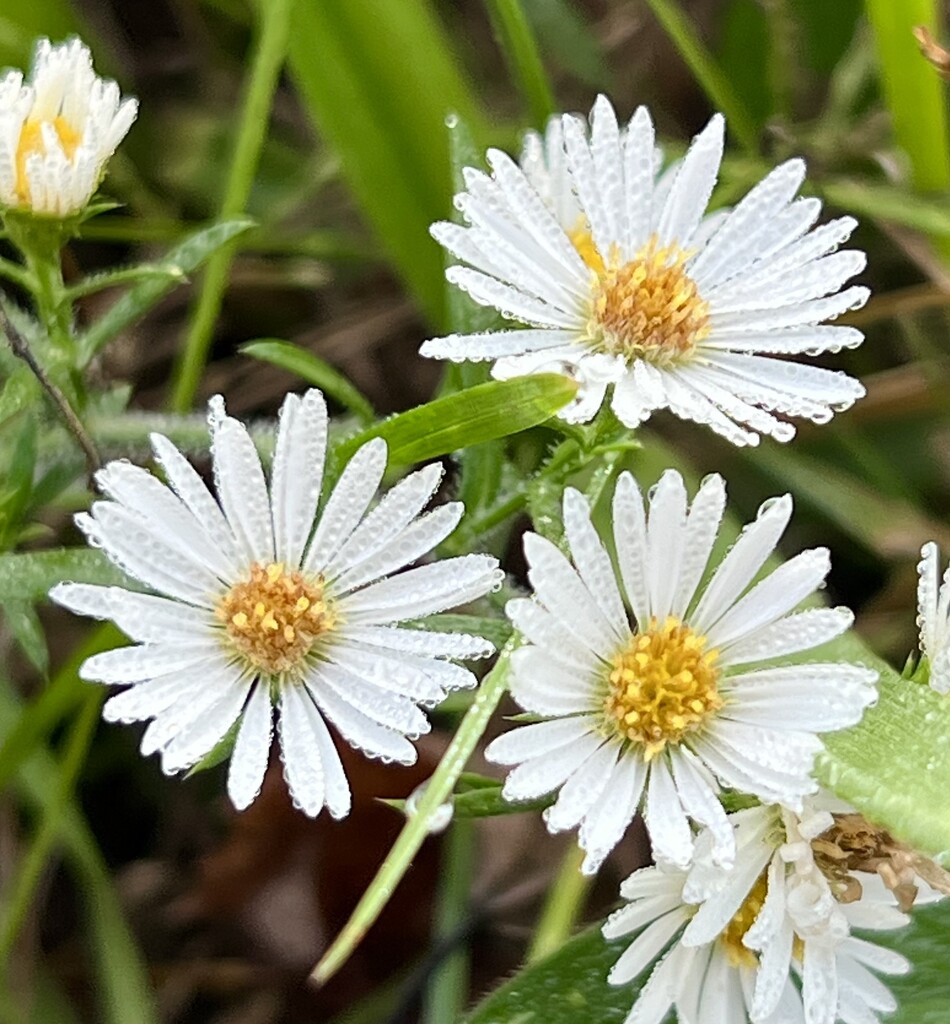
(661, 686)
(31, 141)
(274, 617)
(648, 308)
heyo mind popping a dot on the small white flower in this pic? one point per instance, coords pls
(264, 600)
(933, 616)
(735, 939)
(58, 130)
(646, 292)
(679, 699)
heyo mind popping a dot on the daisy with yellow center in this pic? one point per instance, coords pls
(657, 701)
(728, 947)
(621, 278)
(257, 599)
(58, 130)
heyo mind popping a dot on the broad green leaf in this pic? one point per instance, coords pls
(138, 300)
(313, 370)
(894, 766)
(912, 89)
(570, 986)
(384, 114)
(29, 575)
(482, 413)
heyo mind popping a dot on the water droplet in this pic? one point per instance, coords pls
(439, 819)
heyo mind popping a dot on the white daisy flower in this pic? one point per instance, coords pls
(667, 705)
(933, 616)
(646, 293)
(259, 599)
(736, 939)
(57, 130)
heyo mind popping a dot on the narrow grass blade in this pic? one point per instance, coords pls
(312, 369)
(268, 58)
(517, 42)
(384, 114)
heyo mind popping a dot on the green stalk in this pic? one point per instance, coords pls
(448, 987)
(914, 93)
(413, 834)
(563, 906)
(21, 890)
(274, 27)
(707, 72)
(518, 45)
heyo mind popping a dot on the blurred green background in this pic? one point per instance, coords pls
(184, 912)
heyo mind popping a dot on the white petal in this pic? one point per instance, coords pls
(747, 556)
(539, 626)
(638, 146)
(347, 504)
(606, 824)
(698, 795)
(426, 590)
(647, 946)
(702, 528)
(495, 344)
(670, 835)
(124, 665)
(561, 590)
(790, 635)
(666, 527)
(300, 750)
(542, 684)
(359, 730)
(251, 749)
(395, 511)
(151, 698)
(242, 490)
(426, 643)
(630, 538)
(819, 984)
(581, 792)
(512, 303)
(538, 739)
(423, 679)
(394, 711)
(144, 618)
(297, 475)
(545, 774)
(196, 739)
(593, 563)
(781, 591)
(693, 185)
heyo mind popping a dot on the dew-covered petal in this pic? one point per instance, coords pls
(538, 739)
(347, 504)
(630, 538)
(544, 685)
(361, 731)
(607, 822)
(297, 475)
(300, 750)
(125, 665)
(251, 749)
(544, 774)
(196, 739)
(426, 643)
(670, 834)
(692, 186)
(789, 635)
(581, 792)
(539, 626)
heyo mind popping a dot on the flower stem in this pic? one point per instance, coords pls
(448, 986)
(414, 832)
(563, 906)
(267, 61)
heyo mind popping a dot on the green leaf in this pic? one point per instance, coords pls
(482, 413)
(385, 116)
(313, 370)
(496, 630)
(138, 300)
(24, 624)
(29, 575)
(894, 766)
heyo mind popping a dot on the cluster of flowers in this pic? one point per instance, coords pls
(649, 659)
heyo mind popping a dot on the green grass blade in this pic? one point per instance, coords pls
(185, 257)
(707, 72)
(384, 114)
(312, 369)
(915, 95)
(269, 53)
(517, 43)
(438, 790)
(124, 992)
(482, 413)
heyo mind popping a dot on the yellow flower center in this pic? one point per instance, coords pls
(31, 141)
(661, 686)
(274, 617)
(648, 308)
(743, 919)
